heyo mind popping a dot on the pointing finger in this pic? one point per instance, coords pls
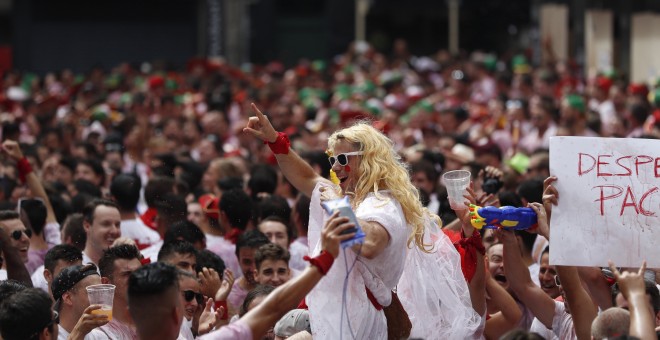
(642, 269)
(258, 112)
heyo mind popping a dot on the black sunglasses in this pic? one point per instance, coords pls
(189, 295)
(16, 234)
(342, 158)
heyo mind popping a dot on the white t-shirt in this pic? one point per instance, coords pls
(152, 251)
(86, 259)
(138, 231)
(298, 249)
(380, 274)
(186, 330)
(539, 327)
(238, 330)
(113, 330)
(52, 234)
(562, 323)
(534, 269)
(3, 274)
(38, 279)
(226, 251)
(62, 334)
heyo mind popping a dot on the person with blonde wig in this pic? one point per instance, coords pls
(404, 248)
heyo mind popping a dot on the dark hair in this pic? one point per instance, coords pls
(73, 228)
(263, 179)
(271, 251)
(171, 208)
(90, 208)
(509, 198)
(302, 209)
(9, 288)
(528, 239)
(36, 213)
(151, 279)
(156, 188)
(122, 251)
(61, 207)
(260, 290)
(639, 112)
(86, 187)
(69, 163)
(65, 252)
(209, 259)
(319, 158)
(79, 202)
(251, 239)
(96, 166)
(6, 215)
(427, 168)
(125, 189)
(230, 183)
(237, 205)
(176, 246)
(147, 286)
(289, 230)
(185, 230)
(531, 190)
(25, 314)
(274, 206)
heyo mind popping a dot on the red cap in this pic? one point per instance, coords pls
(604, 84)
(638, 89)
(210, 205)
(156, 82)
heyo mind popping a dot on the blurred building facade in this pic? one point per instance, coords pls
(46, 35)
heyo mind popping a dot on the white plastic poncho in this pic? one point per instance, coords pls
(431, 287)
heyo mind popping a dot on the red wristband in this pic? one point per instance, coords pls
(323, 261)
(473, 241)
(281, 145)
(24, 168)
(225, 310)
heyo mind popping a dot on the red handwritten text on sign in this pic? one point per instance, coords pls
(605, 165)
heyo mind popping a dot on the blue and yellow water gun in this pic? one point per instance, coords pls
(507, 217)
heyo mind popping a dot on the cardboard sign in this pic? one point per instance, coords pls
(609, 201)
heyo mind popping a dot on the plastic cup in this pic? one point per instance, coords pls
(456, 182)
(102, 295)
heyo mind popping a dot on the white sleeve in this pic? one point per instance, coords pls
(52, 233)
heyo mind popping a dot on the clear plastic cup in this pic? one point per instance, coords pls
(103, 295)
(456, 183)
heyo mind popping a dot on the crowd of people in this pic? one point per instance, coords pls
(198, 194)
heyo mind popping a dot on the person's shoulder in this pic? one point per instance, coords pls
(238, 330)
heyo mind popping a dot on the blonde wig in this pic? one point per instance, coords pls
(381, 168)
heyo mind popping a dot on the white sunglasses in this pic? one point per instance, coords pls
(342, 158)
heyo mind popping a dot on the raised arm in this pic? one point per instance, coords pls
(287, 296)
(582, 307)
(295, 169)
(633, 289)
(508, 316)
(14, 151)
(520, 281)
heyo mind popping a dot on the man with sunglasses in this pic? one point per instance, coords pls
(19, 238)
